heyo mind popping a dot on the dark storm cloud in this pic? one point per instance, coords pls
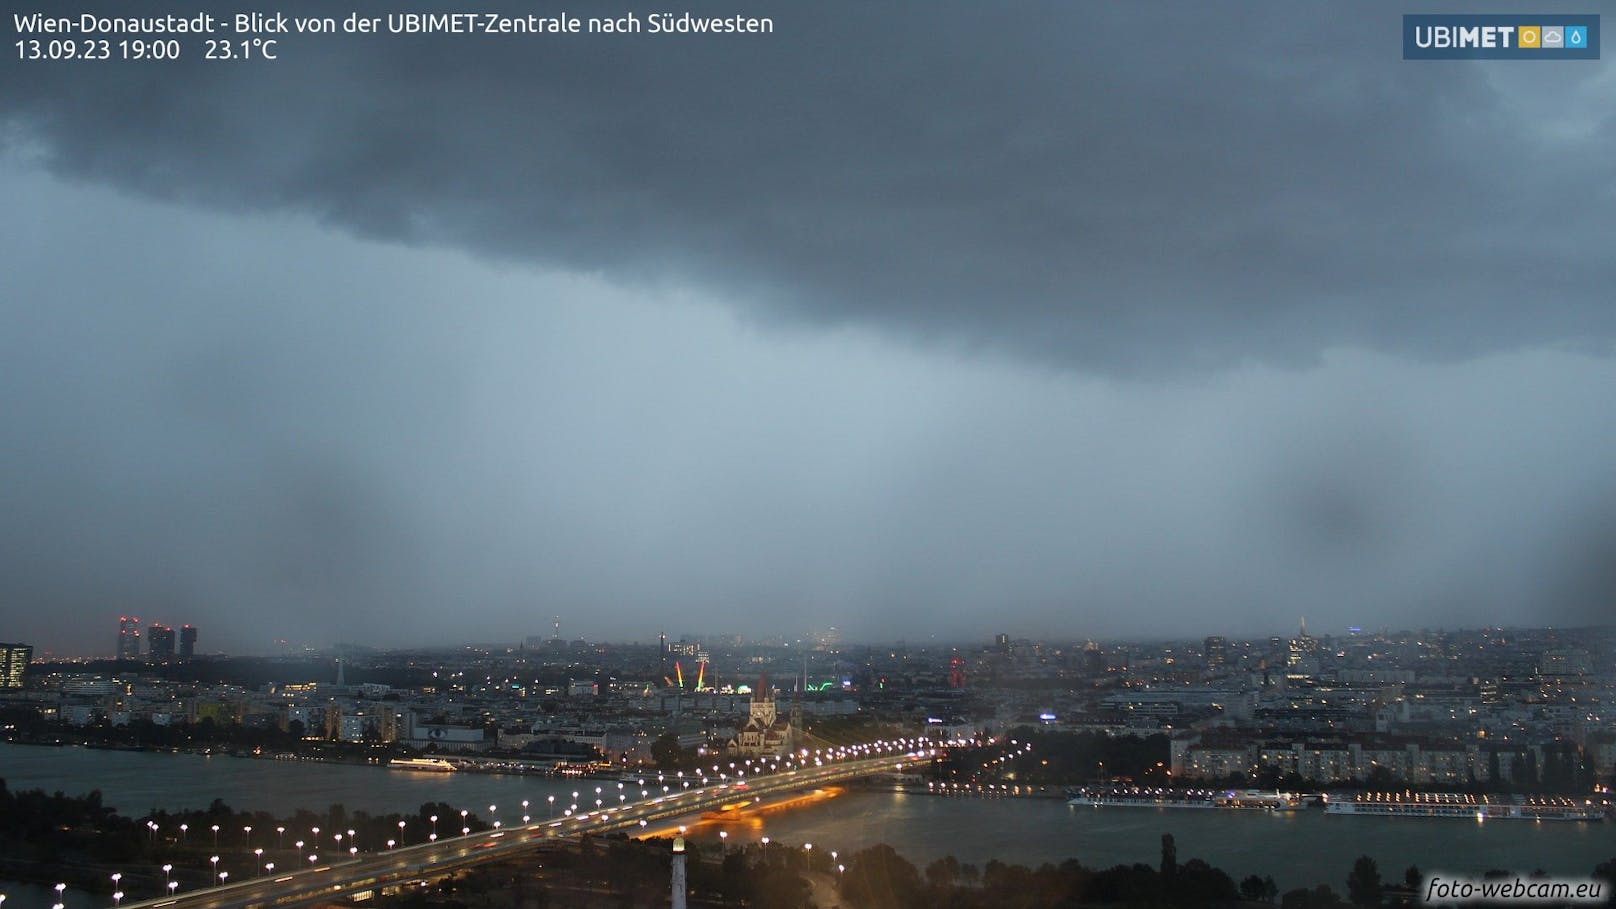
(1103, 185)
(399, 446)
(303, 394)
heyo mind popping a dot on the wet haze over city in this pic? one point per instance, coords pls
(924, 321)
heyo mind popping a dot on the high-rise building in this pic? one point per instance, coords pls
(1217, 652)
(159, 643)
(14, 664)
(128, 638)
(1094, 661)
(187, 642)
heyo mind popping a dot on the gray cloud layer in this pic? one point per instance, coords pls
(1104, 185)
(1367, 301)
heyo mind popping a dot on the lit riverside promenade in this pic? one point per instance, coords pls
(407, 864)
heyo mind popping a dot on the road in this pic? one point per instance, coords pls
(402, 865)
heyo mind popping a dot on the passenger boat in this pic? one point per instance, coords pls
(1465, 805)
(427, 765)
(1261, 800)
(1140, 797)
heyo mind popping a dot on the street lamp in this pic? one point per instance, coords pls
(215, 836)
(215, 861)
(435, 825)
(222, 876)
(183, 828)
(401, 831)
(247, 836)
(258, 856)
(166, 870)
(280, 837)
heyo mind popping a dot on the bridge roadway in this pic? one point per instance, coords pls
(333, 880)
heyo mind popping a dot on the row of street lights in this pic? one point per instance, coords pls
(220, 876)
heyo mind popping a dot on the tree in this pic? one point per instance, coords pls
(1363, 884)
(667, 754)
(943, 872)
(781, 888)
(1412, 878)
(1258, 889)
(1169, 855)
(1320, 897)
(1606, 871)
(1380, 777)
(879, 877)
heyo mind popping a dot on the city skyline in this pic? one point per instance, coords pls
(998, 325)
(816, 641)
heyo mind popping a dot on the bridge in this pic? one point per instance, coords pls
(406, 864)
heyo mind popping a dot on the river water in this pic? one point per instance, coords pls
(1298, 849)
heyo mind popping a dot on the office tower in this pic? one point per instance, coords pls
(159, 643)
(14, 664)
(128, 638)
(1217, 652)
(187, 642)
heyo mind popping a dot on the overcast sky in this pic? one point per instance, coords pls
(921, 320)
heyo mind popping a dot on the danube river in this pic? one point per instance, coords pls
(1300, 849)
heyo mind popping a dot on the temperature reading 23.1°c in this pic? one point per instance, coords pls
(245, 49)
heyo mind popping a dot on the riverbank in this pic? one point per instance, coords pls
(1297, 848)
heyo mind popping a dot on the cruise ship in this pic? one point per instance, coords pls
(1261, 800)
(428, 765)
(1140, 797)
(1464, 805)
